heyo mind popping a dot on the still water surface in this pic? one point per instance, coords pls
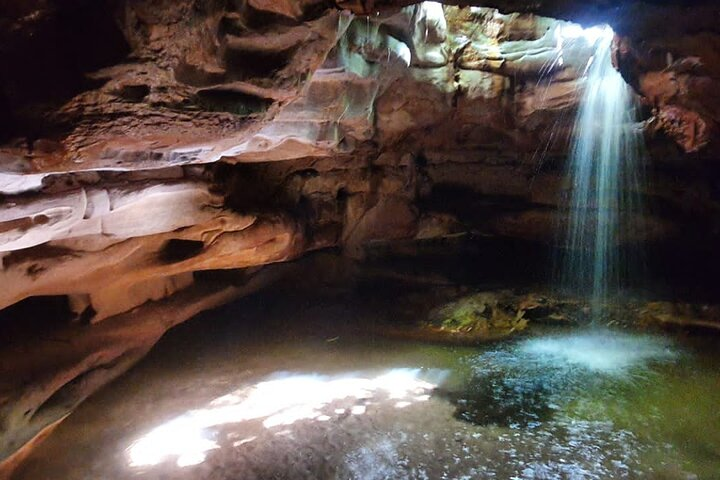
(300, 389)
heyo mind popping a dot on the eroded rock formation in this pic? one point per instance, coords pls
(143, 142)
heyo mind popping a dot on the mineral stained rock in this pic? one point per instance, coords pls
(142, 142)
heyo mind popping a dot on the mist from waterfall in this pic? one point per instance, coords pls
(604, 172)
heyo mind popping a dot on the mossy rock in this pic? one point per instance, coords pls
(485, 315)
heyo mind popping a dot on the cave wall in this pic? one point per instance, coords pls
(143, 142)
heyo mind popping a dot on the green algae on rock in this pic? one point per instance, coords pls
(482, 316)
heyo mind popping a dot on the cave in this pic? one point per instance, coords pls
(359, 239)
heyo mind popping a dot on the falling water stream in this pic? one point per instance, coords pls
(604, 173)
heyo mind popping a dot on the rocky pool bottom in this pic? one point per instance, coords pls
(308, 388)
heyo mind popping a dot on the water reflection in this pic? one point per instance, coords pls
(524, 384)
(279, 401)
(578, 405)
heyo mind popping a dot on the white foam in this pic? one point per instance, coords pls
(600, 351)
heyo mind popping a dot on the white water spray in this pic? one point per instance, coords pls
(604, 174)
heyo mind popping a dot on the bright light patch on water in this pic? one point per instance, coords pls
(602, 351)
(280, 401)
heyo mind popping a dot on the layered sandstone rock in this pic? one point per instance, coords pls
(193, 136)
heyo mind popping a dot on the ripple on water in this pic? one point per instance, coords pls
(594, 405)
(598, 351)
(527, 383)
(524, 389)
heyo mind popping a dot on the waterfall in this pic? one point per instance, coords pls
(603, 173)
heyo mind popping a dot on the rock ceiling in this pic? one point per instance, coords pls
(142, 141)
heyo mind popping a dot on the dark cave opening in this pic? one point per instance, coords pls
(52, 56)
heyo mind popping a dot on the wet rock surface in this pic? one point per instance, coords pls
(485, 316)
(489, 316)
(142, 143)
